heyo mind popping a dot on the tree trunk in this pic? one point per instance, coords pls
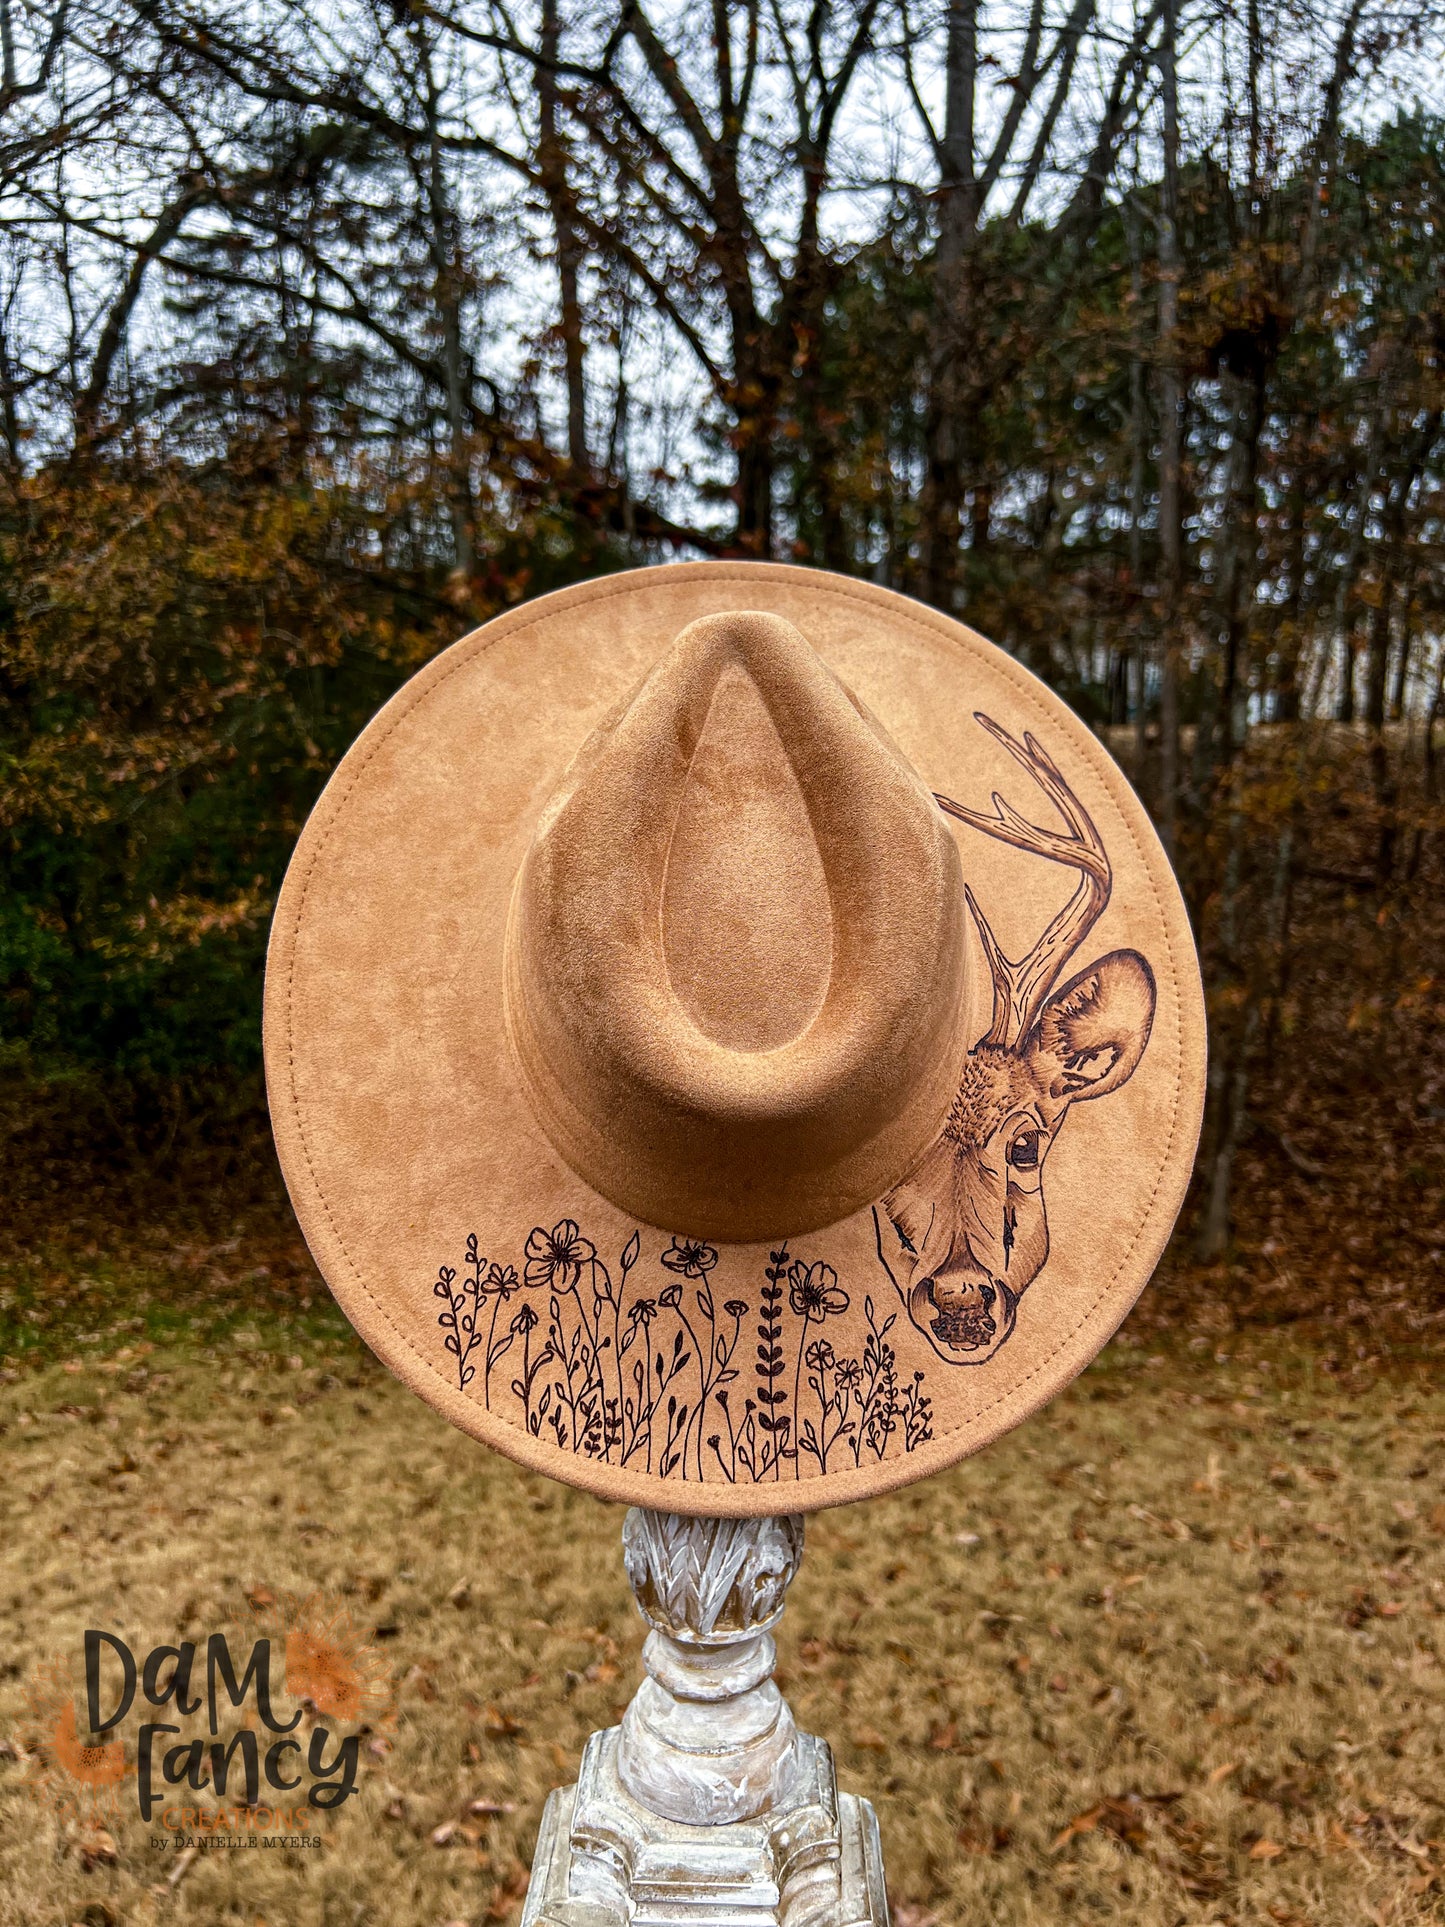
(1392, 549)
(817, 511)
(552, 169)
(1399, 688)
(946, 422)
(1381, 777)
(1171, 450)
(1243, 564)
(1231, 1088)
(1345, 708)
(754, 403)
(1291, 628)
(1377, 658)
(1138, 455)
(1432, 717)
(444, 241)
(1232, 1059)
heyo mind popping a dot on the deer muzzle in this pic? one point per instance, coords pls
(959, 1311)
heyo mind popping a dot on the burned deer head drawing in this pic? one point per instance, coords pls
(966, 1234)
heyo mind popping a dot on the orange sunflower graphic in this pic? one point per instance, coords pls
(332, 1667)
(76, 1780)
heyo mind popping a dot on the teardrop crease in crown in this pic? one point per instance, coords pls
(734, 962)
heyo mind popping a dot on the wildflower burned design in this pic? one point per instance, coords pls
(644, 1364)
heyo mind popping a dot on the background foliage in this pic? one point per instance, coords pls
(1117, 329)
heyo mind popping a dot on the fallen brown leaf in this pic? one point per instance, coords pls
(1081, 1823)
(912, 1913)
(96, 1849)
(1124, 1817)
(509, 1894)
(421, 1683)
(983, 1839)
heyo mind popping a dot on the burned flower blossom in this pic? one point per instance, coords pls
(555, 1258)
(814, 1292)
(690, 1257)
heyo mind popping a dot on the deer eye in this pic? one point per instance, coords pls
(1023, 1153)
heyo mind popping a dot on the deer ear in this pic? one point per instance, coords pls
(1092, 1033)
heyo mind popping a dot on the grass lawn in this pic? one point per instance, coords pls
(1169, 1654)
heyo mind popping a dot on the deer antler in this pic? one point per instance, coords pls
(1019, 989)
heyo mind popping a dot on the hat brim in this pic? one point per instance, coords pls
(624, 1358)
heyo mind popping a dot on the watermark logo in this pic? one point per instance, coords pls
(79, 1782)
(230, 1735)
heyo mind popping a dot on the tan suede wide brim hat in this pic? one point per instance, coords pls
(733, 1038)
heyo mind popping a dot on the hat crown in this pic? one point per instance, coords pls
(747, 916)
(735, 956)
